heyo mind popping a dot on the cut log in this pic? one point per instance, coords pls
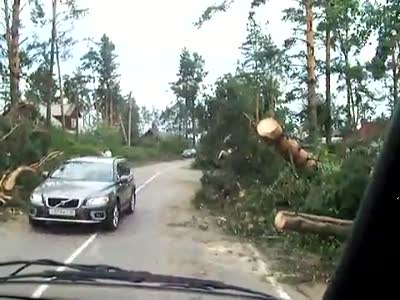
(307, 223)
(272, 132)
(269, 128)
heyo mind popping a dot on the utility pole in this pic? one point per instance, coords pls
(130, 120)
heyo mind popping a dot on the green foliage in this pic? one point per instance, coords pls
(224, 5)
(250, 197)
(105, 138)
(211, 10)
(186, 89)
(100, 65)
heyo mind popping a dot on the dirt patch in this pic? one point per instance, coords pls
(305, 273)
(194, 222)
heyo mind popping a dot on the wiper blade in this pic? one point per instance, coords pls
(103, 274)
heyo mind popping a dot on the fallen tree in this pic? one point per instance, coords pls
(9, 178)
(307, 223)
(272, 132)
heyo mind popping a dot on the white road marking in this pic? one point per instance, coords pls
(148, 181)
(42, 288)
(39, 291)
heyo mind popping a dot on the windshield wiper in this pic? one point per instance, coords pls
(110, 276)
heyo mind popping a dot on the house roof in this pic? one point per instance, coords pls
(157, 133)
(56, 109)
(367, 132)
(68, 109)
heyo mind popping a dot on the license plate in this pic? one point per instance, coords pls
(62, 212)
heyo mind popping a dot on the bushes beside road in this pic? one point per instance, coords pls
(102, 139)
(248, 187)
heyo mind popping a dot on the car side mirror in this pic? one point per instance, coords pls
(124, 179)
(45, 174)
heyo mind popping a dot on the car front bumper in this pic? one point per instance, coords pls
(84, 215)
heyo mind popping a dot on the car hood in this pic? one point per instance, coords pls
(73, 189)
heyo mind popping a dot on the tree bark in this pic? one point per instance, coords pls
(307, 223)
(328, 96)
(349, 88)
(258, 106)
(111, 107)
(121, 122)
(130, 121)
(395, 75)
(272, 132)
(8, 41)
(77, 108)
(60, 87)
(51, 67)
(14, 51)
(311, 78)
(107, 107)
(194, 132)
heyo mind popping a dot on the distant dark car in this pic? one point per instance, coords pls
(85, 190)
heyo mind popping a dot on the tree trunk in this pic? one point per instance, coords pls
(111, 106)
(328, 96)
(77, 112)
(349, 89)
(60, 87)
(272, 132)
(14, 51)
(130, 121)
(258, 106)
(8, 41)
(106, 112)
(187, 118)
(194, 132)
(395, 74)
(107, 106)
(311, 79)
(121, 122)
(306, 223)
(51, 68)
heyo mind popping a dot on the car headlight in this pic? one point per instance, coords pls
(37, 199)
(98, 201)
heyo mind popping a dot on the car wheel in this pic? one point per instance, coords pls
(112, 221)
(132, 203)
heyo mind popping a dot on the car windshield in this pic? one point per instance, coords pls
(86, 171)
(228, 140)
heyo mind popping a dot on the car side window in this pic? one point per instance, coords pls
(122, 169)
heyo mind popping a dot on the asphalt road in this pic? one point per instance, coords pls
(165, 235)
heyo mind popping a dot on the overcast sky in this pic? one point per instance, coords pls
(149, 36)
